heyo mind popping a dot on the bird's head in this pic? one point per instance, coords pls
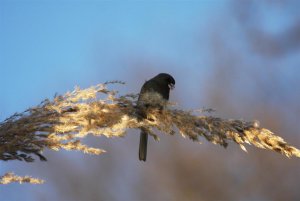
(167, 80)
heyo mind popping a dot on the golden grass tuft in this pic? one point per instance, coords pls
(61, 123)
(11, 178)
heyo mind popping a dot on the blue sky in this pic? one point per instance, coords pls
(51, 46)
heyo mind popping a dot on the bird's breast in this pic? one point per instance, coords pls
(152, 98)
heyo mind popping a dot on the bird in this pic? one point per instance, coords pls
(154, 94)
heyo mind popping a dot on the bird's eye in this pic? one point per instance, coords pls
(170, 80)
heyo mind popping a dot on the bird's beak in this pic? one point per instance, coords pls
(171, 86)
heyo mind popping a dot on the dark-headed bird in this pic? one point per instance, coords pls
(154, 94)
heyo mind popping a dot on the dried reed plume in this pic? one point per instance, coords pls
(61, 123)
(11, 177)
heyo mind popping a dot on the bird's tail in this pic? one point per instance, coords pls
(143, 145)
